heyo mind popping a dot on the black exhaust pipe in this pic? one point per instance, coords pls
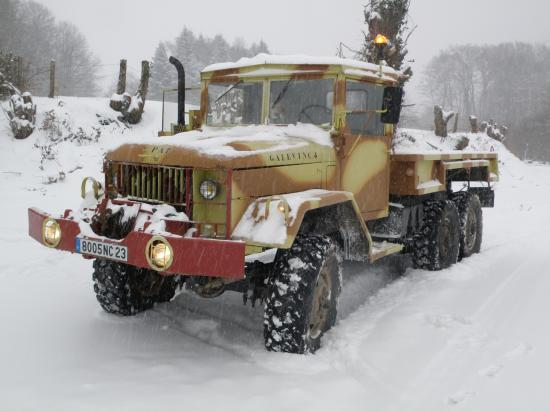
(181, 90)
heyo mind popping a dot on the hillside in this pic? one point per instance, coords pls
(466, 338)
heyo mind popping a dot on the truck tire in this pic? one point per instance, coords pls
(471, 223)
(303, 294)
(437, 242)
(126, 290)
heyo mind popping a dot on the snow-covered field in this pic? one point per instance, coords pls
(475, 337)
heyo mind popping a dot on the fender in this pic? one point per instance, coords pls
(275, 221)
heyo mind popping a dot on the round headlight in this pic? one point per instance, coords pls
(209, 189)
(159, 253)
(51, 233)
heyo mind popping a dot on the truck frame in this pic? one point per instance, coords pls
(284, 172)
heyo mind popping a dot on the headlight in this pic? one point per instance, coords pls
(159, 253)
(209, 189)
(51, 233)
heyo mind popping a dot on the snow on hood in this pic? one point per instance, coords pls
(242, 141)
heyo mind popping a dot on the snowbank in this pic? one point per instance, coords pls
(72, 134)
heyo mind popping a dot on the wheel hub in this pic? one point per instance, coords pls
(470, 230)
(321, 302)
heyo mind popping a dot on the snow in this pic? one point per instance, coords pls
(429, 185)
(475, 337)
(413, 141)
(218, 141)
(264, 220)
(262, 59)
(264, 257)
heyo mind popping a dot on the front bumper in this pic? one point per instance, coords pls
(192, 256)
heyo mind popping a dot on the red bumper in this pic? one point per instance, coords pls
(192, 256)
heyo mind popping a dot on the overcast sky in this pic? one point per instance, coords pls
(132, 29)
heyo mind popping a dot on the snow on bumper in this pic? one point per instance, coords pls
(192, 256)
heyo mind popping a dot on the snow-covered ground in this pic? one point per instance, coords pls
(475, 337)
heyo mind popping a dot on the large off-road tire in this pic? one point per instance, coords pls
(126, 290)
(303, 292)
(471, 223)
(436, 244)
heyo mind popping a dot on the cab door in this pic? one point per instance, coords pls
(365, 158)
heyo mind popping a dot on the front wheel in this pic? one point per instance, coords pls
(127, 290)
(303, 294)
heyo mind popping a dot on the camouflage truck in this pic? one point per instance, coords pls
(285, 172)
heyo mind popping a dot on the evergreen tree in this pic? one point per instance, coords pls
(220, 51)
(258, 48)
(185, 51)
(163, 75)
(195, 52)
(390, 18)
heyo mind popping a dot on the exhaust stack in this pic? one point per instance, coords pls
(181, 90)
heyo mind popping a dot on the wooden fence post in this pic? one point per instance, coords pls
(52, 79)
(441, 120)
(455, 127)
(121, 86)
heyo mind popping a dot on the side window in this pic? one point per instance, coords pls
(363, 105)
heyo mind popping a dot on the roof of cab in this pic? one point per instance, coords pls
(281, 65)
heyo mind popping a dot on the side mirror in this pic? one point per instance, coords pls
(391, 106)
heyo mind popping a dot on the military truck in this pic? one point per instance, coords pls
(284, 172)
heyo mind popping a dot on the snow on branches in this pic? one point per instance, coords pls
(21, 111)
(390, 18)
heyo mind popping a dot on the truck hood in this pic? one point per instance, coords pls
(239, 147)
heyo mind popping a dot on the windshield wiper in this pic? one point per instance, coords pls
(280, 96)
(227, 91)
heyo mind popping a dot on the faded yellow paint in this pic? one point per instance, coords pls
(368, 159)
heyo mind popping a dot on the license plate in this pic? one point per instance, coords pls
(102, 249)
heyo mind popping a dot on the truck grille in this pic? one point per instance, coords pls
(148, 183)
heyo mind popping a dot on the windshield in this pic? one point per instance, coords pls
(231, 104)
(301, 101)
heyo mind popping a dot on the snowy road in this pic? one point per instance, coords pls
(475, 337)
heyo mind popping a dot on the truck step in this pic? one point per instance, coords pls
(383, 249)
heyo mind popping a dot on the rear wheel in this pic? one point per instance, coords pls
(126, 290)
(436, 244)
(303, 294)
(471, 223)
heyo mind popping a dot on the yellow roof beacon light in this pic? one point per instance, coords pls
(381, 40)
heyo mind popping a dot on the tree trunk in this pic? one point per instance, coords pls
(135, 111)
(118, 99)
(52, 79)
(455, 127)
(483, 128)
(441, 121)
(474, 125)
(121, 86)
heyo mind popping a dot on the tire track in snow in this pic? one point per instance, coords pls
(452, 360)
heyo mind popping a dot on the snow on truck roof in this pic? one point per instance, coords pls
(348, 66)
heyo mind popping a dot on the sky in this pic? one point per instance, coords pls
(127, 29)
